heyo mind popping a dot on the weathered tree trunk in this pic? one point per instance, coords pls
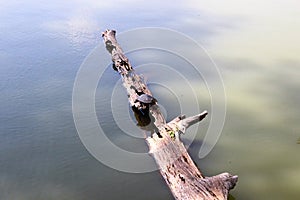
(176, 166)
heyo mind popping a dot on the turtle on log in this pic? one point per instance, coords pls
(146, 99)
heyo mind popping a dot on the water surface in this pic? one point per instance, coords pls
(42, 45)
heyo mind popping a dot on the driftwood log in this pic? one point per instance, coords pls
(176, 166)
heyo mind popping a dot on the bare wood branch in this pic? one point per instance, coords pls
(176, 166)
(182, 123)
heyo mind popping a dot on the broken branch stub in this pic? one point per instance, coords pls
(176, 166)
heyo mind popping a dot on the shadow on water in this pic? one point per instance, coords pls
(230, 197)
(145, 121)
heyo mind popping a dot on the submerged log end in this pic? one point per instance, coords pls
(220, 184)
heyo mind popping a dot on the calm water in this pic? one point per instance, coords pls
(43, 44)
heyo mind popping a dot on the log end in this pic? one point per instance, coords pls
(220, 184)
(108, 32)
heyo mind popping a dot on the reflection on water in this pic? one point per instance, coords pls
(43, 44)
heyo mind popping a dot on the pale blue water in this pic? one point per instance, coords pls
(42, 45)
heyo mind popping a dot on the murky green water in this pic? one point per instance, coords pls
(42, 45)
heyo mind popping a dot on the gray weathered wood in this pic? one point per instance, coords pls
(176, 166)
